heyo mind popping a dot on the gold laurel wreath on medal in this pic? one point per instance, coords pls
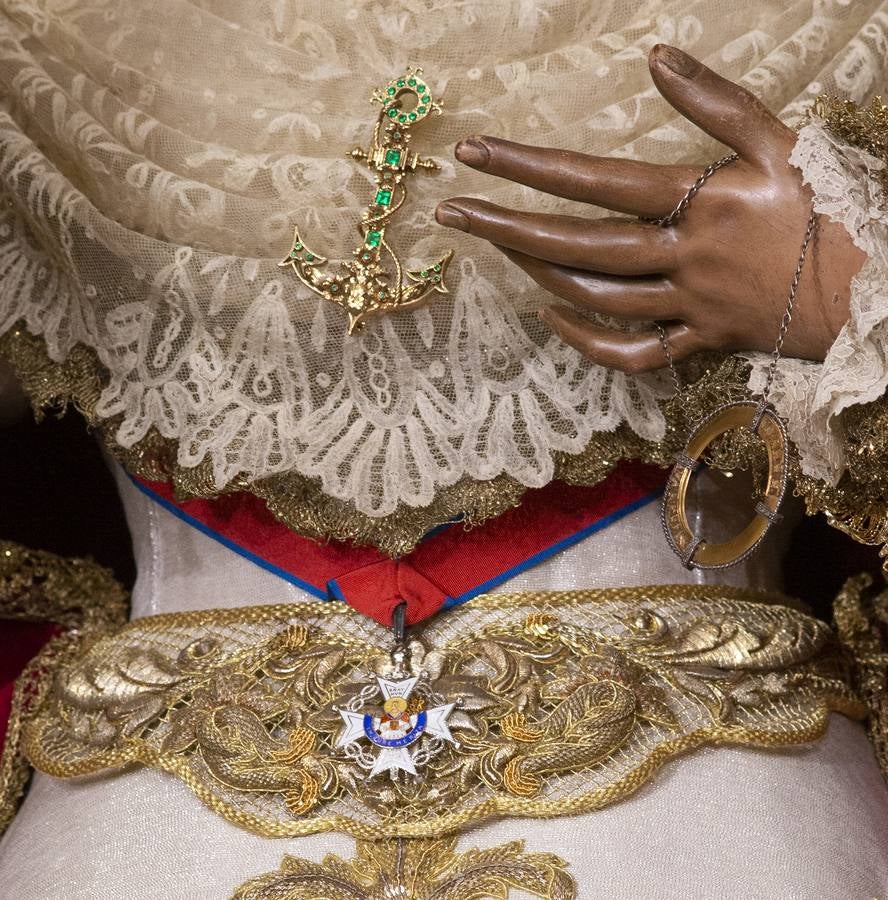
(365, 286)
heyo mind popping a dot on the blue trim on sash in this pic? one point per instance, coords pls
(231, 545)
(557, 547)
(332, 590)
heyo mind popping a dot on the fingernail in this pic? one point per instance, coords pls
(545, 316)
(451, 217)
(473, 152)
(677, 61)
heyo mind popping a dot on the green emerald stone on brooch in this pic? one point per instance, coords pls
(383, 198)
(411, 82)
(392, 157)
(390, 91)
(402, 118)
(373, 238)
(392, 112)
(309, 257)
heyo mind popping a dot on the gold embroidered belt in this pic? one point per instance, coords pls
(563, 702)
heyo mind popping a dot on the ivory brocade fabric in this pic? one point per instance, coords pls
(155, 156)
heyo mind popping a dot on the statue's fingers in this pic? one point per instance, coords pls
(723, 109)
(632, 352)
(616, 246)
(624, 298)
(623, 185)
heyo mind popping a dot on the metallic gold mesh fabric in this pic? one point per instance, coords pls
(569, 702)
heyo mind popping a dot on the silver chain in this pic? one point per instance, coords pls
(671, 219)
(790, 303)
(685, 201)
(785, 322)
(667, 352)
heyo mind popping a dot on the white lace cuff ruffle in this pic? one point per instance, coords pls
(811, 396)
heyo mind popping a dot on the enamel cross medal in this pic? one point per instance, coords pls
(399, 723)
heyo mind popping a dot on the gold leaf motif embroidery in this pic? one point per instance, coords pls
(76, 594)
(417, 870)
(861, 617)
(567, 702)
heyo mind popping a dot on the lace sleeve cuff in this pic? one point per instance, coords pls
(811, 396)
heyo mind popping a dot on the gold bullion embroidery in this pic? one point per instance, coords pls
(865, 127)
(75, 594)
(419, 870)
(567, 702)
(861, 617)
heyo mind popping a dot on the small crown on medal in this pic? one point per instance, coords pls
(409, 712)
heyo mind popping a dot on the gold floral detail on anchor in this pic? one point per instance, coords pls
(417, 870)
(563, 703)
(365, 286)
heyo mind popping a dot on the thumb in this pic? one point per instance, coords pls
(726, 111)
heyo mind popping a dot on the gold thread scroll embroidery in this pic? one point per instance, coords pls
(418, 870)
(76, 594)
(568, 702)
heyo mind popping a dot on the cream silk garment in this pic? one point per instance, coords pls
(154, 157)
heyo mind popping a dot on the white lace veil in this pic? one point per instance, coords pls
(155, 155)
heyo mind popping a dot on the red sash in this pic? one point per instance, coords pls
(450, 565)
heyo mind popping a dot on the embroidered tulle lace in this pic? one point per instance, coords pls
(811, 396)
(154, 158)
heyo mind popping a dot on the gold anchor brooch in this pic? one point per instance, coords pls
(366, 287)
